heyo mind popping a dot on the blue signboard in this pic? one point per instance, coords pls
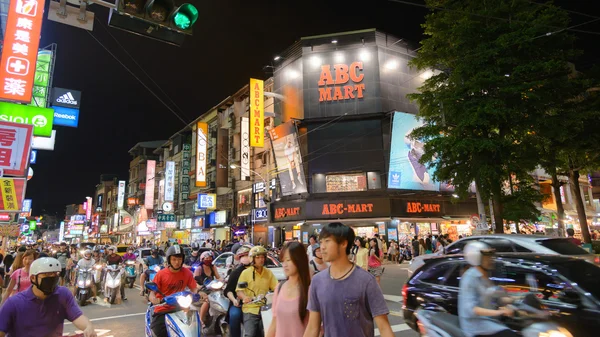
(207, 201)
(26, 205)
(66, 116)
(33, 157)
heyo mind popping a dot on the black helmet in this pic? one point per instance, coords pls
(154, 251)
(174, 250)
(195, 246)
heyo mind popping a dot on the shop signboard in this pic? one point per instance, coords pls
(66, 116)
(41, 79)
(40, 118)
(222, 154)
(170, 181)
(121, 194)
(288, 159)
(257, 113)
(207, 201)
(201, 153)
(245, 146)
(15, 146)
(150, 175)
(220, 217)
(19, 55)
(33, 157)
(67, 98)
(12, 191)
(185, 171)
(165, 217)
(288, 211)
(26, 206)
(419, 208)
(260, 214)
(392, 234)
(350, 208)
(44, 143)
(5, 217)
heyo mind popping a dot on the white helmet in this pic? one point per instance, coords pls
(113, 248)
(475, 250)
(44, 265)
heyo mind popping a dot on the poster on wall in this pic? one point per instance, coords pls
(406, 172)
(288, 159)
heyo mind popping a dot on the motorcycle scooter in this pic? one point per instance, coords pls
(130, 273)
(151, 274)
(85, 278)
(530, 319)
(112, 282)
(216, 320)
(266, 313)
(184, 321)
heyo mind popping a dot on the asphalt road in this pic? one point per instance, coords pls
(126, 319)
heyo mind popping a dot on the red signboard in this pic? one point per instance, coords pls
(5, 217)
(19, 55)
(15, 146)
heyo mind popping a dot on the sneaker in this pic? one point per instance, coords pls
(95, 299)
(124, 298)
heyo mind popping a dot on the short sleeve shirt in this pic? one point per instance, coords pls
(347, 306)
(260, 283)
(170, 283)
(22, 281)
(25, 315)
(83, 263)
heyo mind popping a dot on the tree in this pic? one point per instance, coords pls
(498, 69)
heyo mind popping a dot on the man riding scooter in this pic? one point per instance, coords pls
(193, 260)
(152, 260)
(475, 319)
(114, 259)
(235, 310)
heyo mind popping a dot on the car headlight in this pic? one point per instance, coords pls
(184, 301)
(561, 332)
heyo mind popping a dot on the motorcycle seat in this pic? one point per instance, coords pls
(448, 323)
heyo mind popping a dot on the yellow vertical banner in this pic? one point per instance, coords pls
(201, 153)
(257, 113)
(9, 195)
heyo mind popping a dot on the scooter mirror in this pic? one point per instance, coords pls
(152, 286)
(243, 285)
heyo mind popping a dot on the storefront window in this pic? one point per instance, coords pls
(244, 202)
(346, 182)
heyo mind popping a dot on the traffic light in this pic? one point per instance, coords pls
(157, 19)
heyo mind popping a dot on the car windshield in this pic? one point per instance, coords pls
(585, 274)
(122, 249)
(563, 246)
(145, 252)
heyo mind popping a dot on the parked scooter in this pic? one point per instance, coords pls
(112, 283)
(84, 282)
(130, 273)
(216, 320)
(530, 319)
(184, 321)
(405, 254)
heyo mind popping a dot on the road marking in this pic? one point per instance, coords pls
(99, 332)
(395, 328)
(392, 298)
(396, 313)
(112, 317)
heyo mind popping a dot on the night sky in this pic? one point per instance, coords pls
(233, 41)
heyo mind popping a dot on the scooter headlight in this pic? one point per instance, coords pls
(87, 283)
(216, 285)
(561, 332)
(184, 301)
(80, 283)
(130, 262)
(98, 266)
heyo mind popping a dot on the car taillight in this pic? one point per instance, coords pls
(404, 294)
(597, 259)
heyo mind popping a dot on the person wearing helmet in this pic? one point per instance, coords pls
(475, 319)
(153, 260)
(86, 262)
(129, 256)
(260, 281)
(115, 259)
(170, 280)
(235, 309)
(317, 264)
(42, 309)
(195, 257)
(206, 272)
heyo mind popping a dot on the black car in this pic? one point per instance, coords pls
(569, 287)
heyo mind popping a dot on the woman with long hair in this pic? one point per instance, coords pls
(421, 246)
(361, 255)
(428, 246)
(17, 263)
(19, 279)
(375, 260)
(291, 297)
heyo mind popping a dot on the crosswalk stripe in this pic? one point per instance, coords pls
(395, 328)
(392, 298)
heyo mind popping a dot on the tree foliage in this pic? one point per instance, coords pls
(498, 71)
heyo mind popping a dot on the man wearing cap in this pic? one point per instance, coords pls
(42, 309)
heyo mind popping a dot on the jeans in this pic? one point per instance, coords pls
(253, 326)
(235, 321)
(503, 333)
(158, 326)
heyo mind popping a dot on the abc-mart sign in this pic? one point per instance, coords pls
(40, 118)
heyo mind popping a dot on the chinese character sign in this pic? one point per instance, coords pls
(41, 79)
(185, 171)
(19, 55)
(150, 174)
(207, 201)
(11, 190)
(121, 194)
(170, 181)
(201, 148)
(15, 145)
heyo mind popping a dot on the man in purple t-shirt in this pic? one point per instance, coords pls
(345, 298)
(42, 309)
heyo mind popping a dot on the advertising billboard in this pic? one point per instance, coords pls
(41, 79)
(26, 206)
(40, 118)
(15, 145)
(222, 160)
(19, 55)
(207, 201)
(201, 152)
(186, 164)
(44, 143)
(66, 98)
(88, 209)
(121, 194)
(150, 173)
(405, 171)
(66, 116)
(257, 113)
(12, 191)
(288, 159)
(245, 146)
(170, 181)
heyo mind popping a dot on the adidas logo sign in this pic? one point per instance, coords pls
(395, 177)
(67, 99)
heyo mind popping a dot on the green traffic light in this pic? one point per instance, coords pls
(185, 17)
